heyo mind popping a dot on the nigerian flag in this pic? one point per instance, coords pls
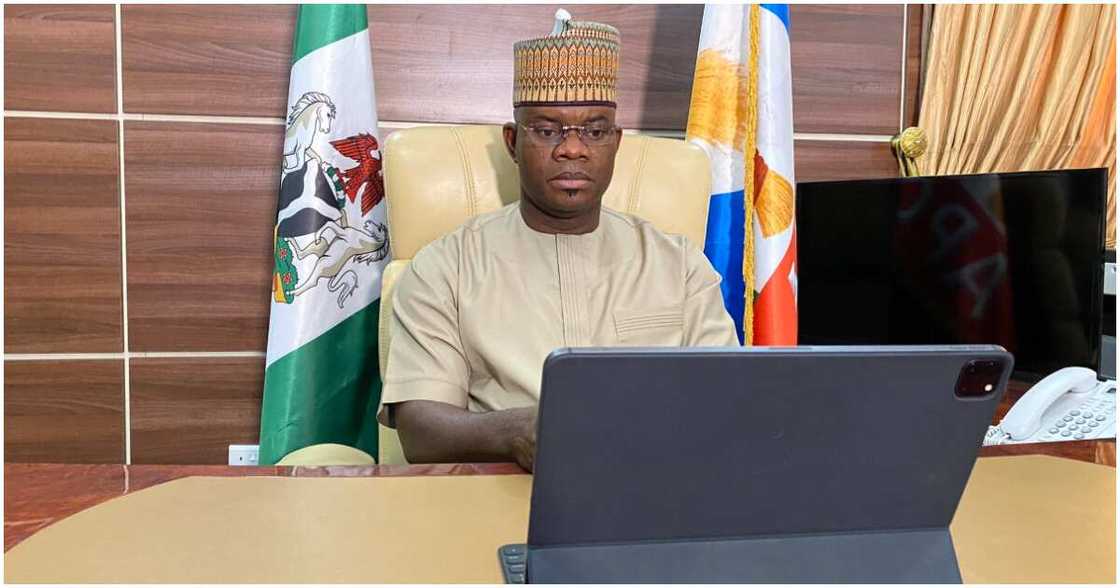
(330, 244)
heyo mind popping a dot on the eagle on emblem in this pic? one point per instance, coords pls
(363, 149)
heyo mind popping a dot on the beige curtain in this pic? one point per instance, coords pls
(1022, 87)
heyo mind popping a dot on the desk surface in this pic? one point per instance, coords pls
(1013, 523)
(37, 495)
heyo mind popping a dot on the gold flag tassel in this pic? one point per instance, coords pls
(749, 147)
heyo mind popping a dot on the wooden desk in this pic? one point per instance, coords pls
(282, 529)
(37, 495)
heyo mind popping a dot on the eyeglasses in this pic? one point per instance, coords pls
(551, 135)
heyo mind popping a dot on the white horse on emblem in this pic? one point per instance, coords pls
(311, 114)
(346, 243)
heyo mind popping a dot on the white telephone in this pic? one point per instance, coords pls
(1068, 405)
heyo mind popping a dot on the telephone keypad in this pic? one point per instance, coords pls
(1083, 421)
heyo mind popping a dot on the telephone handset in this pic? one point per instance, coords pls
(1069, 404)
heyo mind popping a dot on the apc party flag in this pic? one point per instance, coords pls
(741, 114)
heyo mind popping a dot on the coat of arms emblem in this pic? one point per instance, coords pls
(314, 237)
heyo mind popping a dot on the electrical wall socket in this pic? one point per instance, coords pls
(243, 455)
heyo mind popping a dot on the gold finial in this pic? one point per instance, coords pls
(908, 146)
(913, 141)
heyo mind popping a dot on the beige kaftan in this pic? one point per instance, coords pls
(477, 311)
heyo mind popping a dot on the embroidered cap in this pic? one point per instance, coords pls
(577, 64)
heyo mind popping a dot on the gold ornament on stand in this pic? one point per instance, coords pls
(908, 146)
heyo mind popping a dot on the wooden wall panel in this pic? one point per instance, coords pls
(843, 160)
(847, 68)
(201, 204)
(62, 236)
(64, 411)
(232, 61)
(198, 60)
(188, 411)
(468, 53)
(60, 57)
(212, 59)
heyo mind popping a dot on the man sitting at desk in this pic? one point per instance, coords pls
(477, 311)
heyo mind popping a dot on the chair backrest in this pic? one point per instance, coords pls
(438, 177)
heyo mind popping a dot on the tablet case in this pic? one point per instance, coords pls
(836, 464)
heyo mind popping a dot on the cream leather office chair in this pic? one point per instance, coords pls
(438, 177)
(327, 454)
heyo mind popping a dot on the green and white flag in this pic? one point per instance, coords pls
(321, 378)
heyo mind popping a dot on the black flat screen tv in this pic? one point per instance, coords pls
(1012, 259)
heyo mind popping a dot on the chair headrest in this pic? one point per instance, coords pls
(438, 177)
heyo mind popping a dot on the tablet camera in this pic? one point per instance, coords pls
(979, 378)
